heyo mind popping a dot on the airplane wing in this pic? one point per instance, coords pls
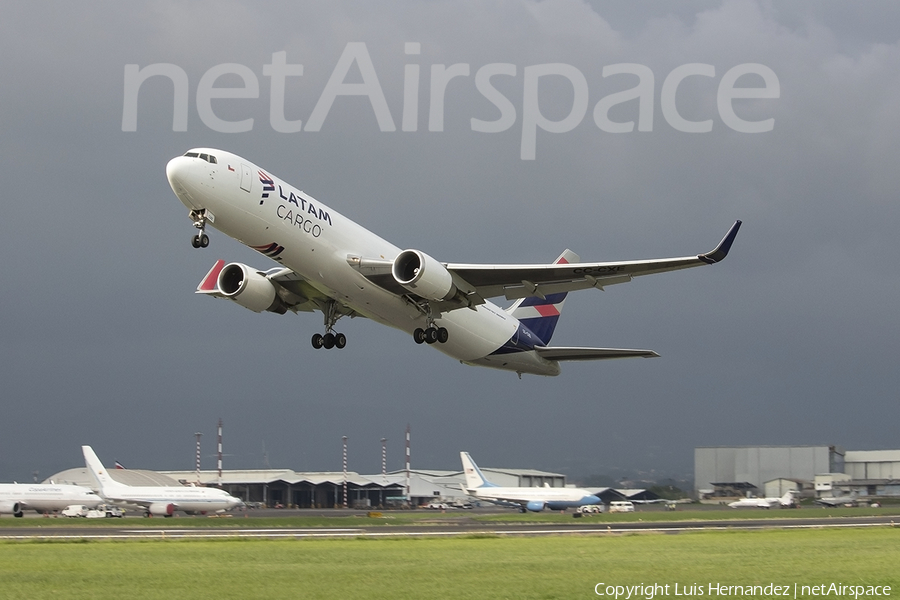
(477, 282)
(521, 281)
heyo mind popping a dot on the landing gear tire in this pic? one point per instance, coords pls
(431, 335)
(340, 340)
(200, 240)
(443, 335)
(317, 341)
(419, 335)
(328, 341)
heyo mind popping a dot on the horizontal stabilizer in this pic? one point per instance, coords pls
(560, 353)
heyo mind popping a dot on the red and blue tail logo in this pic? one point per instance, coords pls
(541, 315)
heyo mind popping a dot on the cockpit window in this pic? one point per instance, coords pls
(207, 157)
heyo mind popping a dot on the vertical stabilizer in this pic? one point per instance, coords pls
(474, 477)
(96, 470)
(540, 314)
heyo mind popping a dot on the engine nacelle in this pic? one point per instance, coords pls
(423, 275)
(161, 509)
(535, 505)
(249, 288)
(8, 507)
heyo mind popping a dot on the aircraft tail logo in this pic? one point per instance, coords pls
(540, 314)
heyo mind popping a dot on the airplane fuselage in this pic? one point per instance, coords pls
(536, 498)
(15, 497)
(298, 231)
(188, 499)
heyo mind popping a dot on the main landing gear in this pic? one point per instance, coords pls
(330, 339)
(201, 240)
(431, 335)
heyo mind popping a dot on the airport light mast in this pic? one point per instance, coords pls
(384, 460)
(220, 451)
(408, 499)
(345, 470)
(198, 434)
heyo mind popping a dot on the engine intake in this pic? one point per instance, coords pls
(249, 288)
(423, 275)
(8, 507)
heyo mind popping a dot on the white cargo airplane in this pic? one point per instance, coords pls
(785, 501)
(158, 500)
(331, 264)
(41, 497)
(526, 498)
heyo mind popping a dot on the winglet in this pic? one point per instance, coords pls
(724, 246)
(209, 285)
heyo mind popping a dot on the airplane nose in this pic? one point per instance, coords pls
(176, 172)
(180, 172)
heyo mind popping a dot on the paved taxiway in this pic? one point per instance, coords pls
(133, 528)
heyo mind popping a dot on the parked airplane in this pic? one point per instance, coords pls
(18, 497)
(785, 501)
(158, 500)
(526, 498)
(331, 264)
(850, 499)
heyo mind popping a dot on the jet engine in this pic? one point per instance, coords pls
(164, 509)
(535, 505)
(249, 288)
(423, 275)
(8, 507)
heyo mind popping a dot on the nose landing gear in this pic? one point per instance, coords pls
(199, 217)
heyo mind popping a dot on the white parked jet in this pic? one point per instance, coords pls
(851, 499)
(158, 500)
(331, 264)
(785, 501)
(18, 497)
(527, 498)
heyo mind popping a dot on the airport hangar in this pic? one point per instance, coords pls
(724, 472)
(285, 487)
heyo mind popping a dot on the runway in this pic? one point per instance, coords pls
(133, 529)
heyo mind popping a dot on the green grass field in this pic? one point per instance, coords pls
(469, 567)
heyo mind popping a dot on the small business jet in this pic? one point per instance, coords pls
(158, 500)
(526, 498)
(330, 264)
(785, 501)
(851, 499)
(41, 497)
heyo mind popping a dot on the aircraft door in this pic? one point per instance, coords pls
(246, 178)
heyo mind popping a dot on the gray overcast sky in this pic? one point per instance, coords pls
(792, 340)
